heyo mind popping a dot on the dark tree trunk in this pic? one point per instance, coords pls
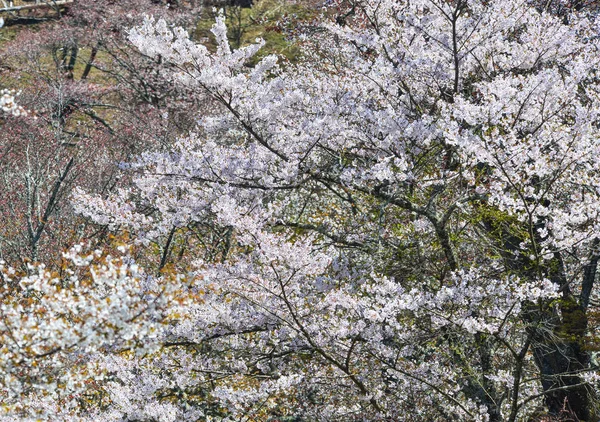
(90, 63)
(560, 356)
(241, 3)
(557, 329)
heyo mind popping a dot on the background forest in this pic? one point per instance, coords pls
(286, 210)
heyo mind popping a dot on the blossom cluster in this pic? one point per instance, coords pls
(8, 103)
(56, 326)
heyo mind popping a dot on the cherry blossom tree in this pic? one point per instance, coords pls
(402, 226)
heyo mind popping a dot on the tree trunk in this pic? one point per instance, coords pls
(557, 329)
(560, 357)
(90, 63)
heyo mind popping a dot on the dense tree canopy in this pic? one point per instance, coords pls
(403, 224)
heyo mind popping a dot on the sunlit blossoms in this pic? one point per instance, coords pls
(8, 103)
(401, 226)
(56, 328)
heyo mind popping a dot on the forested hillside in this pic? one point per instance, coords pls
(287, 210)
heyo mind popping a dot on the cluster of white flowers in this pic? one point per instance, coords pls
(385, 224)
(8, 103)
(52, 325)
